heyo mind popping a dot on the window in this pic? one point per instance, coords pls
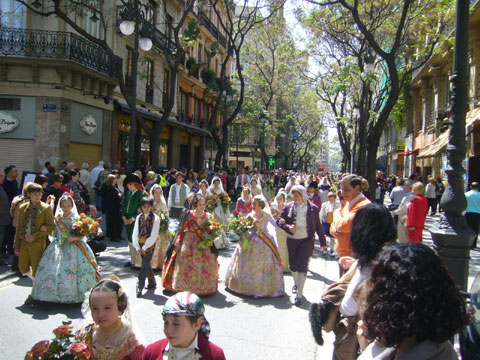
(91, 27)
(129, 61)
(166, 81)
(149, 81)
(13, 14)
(183, 105)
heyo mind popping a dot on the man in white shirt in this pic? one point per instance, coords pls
(177, 196)
(85, 176)
(242, 180)
(398, 192)
(401, 212)
(45, 169)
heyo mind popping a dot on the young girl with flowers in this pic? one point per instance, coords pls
(193, 266)
(110, 331)
(68, 268)
(244, 203)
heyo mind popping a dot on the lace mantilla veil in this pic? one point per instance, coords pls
(59, 210)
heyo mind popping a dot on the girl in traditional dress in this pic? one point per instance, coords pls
(191, 268)
(244, 203)
(109, 334)
(277, 208)
(256, 189)
(68, 268)
(161, 245)
(257, 270)
(291, 182)
(216, 189)
(204, 191)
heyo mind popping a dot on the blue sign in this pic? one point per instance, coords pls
(49, 107)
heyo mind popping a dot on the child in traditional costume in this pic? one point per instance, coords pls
(186, 330)
(130, 211)
(68, 268)
(35, 222)
(244, 203)
(109, 334)
(192, 267)
(256, 270)
(161, 244)
(144, 236)
(223, 215)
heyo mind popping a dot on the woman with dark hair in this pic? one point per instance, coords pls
(191, 267)
(78, 189)
(413, 307)
(55, 188)
(112, 205)
(372, 228)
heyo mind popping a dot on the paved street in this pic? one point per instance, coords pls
(245, 328)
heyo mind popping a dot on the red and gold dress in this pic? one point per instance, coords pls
(191, 268)
(125, 346)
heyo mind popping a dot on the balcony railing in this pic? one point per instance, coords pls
(57, 45)
(205, 21)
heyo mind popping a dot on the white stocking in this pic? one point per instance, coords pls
(295, 277)
(301, 278)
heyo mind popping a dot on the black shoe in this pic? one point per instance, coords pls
(294, 289)
(297, 301)
(151, 286)
(128, 264)
(139, 292)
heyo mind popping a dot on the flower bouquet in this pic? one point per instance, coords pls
(241, 226)
(212, 203)
(163, 215)
(84, 226)
(224, 201)
(210, 232)
(63, 346)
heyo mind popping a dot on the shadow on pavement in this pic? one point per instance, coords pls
(43, 310)
(315, 276)
(281, 302)
(217, 300)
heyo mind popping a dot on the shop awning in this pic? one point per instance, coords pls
(435, 147)
(158, 117)
(472, 117)
(408, 152)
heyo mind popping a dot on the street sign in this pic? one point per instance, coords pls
(321, 166)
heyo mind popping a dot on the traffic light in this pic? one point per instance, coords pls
(271, 161)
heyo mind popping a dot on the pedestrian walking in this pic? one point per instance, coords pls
(431, 195)
(93, 179)
(417, 213)
(113, 208)
(472, 212)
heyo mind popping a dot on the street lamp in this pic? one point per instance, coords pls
(452, 236)
(134, 22)
(263, 119)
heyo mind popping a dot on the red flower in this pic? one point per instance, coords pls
(62, 331)
(80, 350)
(78, 226)
(39, 349)
(82, 215)
(85, 221)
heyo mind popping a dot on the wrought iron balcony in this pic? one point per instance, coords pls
(57, 45)
(205, 21)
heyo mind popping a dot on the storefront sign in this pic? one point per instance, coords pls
(400, 145)
(8, 122)
(88, 124)
(49, 108)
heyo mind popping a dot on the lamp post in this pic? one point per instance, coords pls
(134, 22)
(451, 235)
(356, 115)
(263, 120)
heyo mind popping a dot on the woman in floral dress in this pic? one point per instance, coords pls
(161, 245)
(257, 270)
(191, 268)
(67, 269)
(216, 189)
(277, 207)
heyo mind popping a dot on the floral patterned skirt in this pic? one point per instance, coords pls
(282, 249)
(191, 269)
(161, 245)
(64, 274)
(255, 271)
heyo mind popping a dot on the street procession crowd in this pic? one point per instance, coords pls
(394, 299)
